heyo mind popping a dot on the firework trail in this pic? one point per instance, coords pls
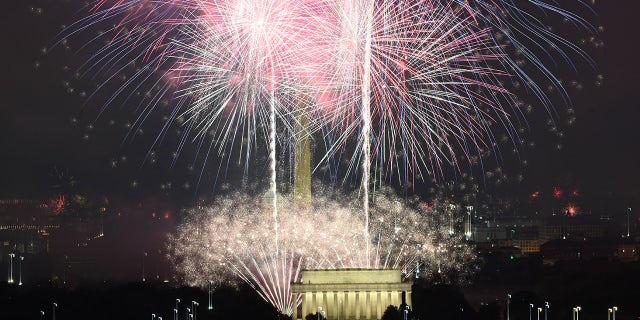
(430, 74)
(417, 83)
(408, 68)
(231, 241)
(532, 38)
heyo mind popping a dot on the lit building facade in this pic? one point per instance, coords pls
(350, 293)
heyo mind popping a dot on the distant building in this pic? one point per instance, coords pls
(527, 246)
(589, 249)
(508, 233)
(16, 211)
(529, 234)
(25, 239)
(350, 293)
(489, 234)
(25, 226)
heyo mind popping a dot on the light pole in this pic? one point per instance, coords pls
(576, 313)
(153, 316)
(546, 310)
(175, 311)
(530, 309)
(614, 312)
(41, 314)
(188, 313)
(628, 221)
(194, 305)
(319, 311)
(210, 293)
(406, 312)
(609, 311)
(539, 310)
(11, 255)
(508, 303)
(55, 305)
(20, 270)
(467, 231)
(143, 256)
(64, 269)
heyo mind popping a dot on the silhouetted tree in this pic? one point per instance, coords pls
(392, 313)
(489, 311)
(443, 302)
(314, 316)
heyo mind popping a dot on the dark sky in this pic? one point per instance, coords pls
(600, 151)
(604, 143)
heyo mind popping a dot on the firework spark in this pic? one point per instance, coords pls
(233, 240)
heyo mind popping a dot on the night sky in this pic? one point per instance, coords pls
(44, 128)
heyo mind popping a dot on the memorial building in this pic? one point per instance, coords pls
(361, 294)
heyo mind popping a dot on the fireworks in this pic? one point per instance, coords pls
(233, 240)
(416, 86)
(420, 83)
(404, 74)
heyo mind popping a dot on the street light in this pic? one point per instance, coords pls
(609, 311)
(175, 311)
(576, 313)
(539, 310)
(614, 312)
(406, 312)
(153, 316)
(20, 271)
(319, 311)
(194, 304)
(41, 314)
(546, 310)
(530, 309)
(210, 293)
(11, 255)
(65, 269)
(143, 256)
(508, 303)
(55, 305)
(628, 221)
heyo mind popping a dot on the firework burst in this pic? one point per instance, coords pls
(233, 240)
(423, 80)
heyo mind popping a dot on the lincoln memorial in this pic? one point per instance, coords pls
(350, 293)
